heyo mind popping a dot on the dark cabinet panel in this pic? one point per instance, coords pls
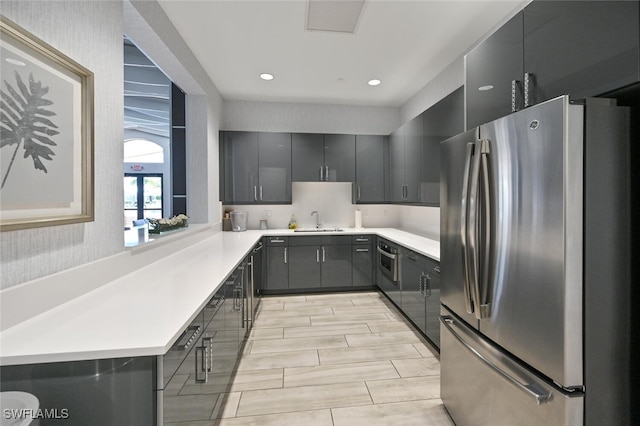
(396, 165)
(440, 122)
(413, 301)
(553, 48)
(275, 167)
(362, 264)
(580, 48)
(336, 265)
(490, 70)
(431, 291)
(307, 152)
(258, 259)
(304, 267)
(340, 158)
(319, 261)
(256, 168)
(370, 168)
(329, 158)
(277, 267)
(240, 166)
(413, 152)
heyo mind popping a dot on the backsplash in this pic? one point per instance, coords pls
(333, 201)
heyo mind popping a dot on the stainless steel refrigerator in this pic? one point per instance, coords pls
(535, 268)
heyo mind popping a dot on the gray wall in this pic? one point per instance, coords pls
(309, 118)
(90, 33)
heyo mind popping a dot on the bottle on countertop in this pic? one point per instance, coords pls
(293, 224)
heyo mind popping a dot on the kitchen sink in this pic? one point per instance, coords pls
(334, 229)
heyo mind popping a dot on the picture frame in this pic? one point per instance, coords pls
(47, 134)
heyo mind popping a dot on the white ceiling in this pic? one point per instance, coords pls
(404, 43)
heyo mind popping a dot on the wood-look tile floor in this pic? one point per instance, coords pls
(340, 359)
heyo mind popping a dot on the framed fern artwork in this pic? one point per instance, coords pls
(46, 129)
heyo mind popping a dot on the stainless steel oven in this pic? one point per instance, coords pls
(388, 261)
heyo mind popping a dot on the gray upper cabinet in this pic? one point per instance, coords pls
(440, 122)
(581, 48)
(553, 48)
(307, 152)
(405, 162)
(274, 184)
(396, 165)
(371, 168)
(491, 70)
(413, 155)
(340, 158)
(240, 165)
(329, 158)
(256, 168)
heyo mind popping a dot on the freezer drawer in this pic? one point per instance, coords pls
(480, 385)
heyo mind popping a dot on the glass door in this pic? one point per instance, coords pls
(142, 197)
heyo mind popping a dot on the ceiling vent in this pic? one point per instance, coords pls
(339, 16)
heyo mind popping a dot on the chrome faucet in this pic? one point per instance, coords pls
(317, 218)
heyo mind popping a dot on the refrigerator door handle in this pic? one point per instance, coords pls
(473, 212)
(532, 389)
(483, 306)
(468, 303)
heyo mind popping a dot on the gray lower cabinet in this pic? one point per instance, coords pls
(320, 262)
(203, 360)
(336, 264)
(277, 263)
(304, 267)
(413, 267)
(362, 260)
(420, 282)
(431, 291)
(102, 392)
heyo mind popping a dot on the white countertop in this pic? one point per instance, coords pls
(144, 312)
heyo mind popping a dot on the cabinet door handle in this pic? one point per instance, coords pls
(260, 192)
(237, 298)
(515, 89)
(321, 173)
(277, 241)
(317, 256)
(437, 269)
(358, 192)
(255, 193)
(362, 240)
(529, 81)
(361, 250)
(285, 255)
(326, 173)
(323, 255)
(203, 360)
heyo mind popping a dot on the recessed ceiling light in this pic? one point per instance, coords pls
(485, 88)
(266, 76)
(374, 82)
